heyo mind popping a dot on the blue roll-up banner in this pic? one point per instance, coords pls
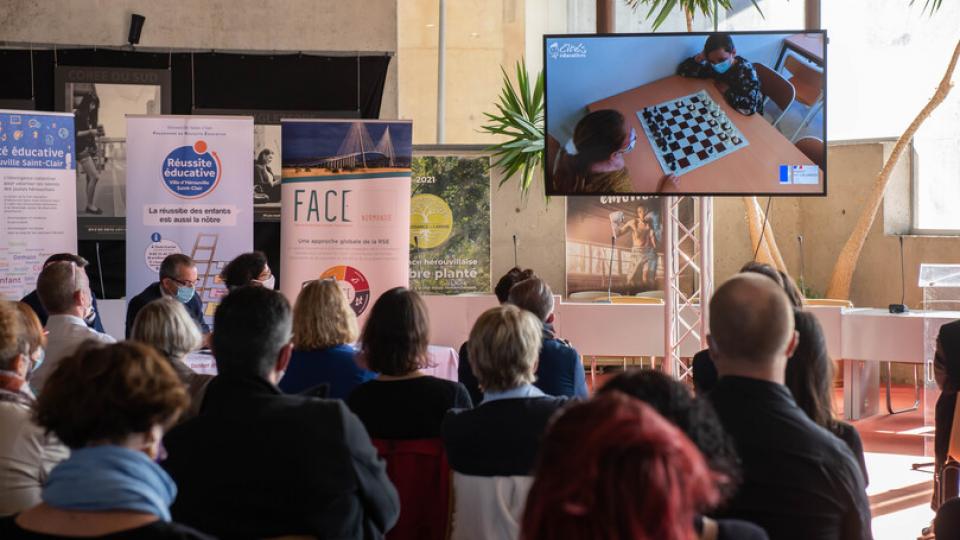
(189, 190)
(38, 195)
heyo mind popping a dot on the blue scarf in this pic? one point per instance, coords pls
(100, 478)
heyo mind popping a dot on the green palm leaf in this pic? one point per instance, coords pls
(659, 10)
(932, 5)
(519, 118)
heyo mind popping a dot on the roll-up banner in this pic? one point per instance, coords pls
(189, 190)
(345, 210)
(38, 194)
(450, 220)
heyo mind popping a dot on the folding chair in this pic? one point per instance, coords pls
(775, 88)
(808, 83)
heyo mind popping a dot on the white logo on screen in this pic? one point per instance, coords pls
(568, 50)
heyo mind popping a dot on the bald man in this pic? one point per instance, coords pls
(800, 482)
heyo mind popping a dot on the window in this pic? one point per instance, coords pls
(886, 59)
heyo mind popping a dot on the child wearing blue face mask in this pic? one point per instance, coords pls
(733, 75)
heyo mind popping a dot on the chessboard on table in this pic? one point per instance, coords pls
(689, 132)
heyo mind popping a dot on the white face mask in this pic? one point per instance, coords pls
(268, 283)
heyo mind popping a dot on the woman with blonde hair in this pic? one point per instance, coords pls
(324, 327)
(165, 325)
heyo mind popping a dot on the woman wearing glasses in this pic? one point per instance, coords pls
(592, 160)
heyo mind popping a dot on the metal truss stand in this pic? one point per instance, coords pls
(688, 280)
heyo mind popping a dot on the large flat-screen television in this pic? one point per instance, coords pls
(738, 113)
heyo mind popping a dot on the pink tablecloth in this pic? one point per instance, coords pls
(443, 362)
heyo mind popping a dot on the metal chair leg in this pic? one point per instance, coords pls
(806, 120)
(916, 388)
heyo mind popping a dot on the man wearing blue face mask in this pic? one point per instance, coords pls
(733, 75)
(178, 278)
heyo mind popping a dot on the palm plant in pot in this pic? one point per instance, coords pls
(519, 118)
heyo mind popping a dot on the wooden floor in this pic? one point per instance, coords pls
(899, 495)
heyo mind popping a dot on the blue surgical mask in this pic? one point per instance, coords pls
(722, 67)
(38, 361)
(185, 294)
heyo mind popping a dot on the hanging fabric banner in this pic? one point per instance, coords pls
(189, 191)
(38, 194)
(345, 211)
(450, 221)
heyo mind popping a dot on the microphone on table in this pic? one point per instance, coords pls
(901, 307)
(515, 265)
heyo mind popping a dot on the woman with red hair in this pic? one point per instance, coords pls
(613, 468)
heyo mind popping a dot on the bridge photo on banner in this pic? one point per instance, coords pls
(346, 206)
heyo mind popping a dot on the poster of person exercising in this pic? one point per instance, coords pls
(614, 243)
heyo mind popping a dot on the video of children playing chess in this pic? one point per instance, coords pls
(738, 113)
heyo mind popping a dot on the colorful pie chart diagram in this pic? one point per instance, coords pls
(353, 284)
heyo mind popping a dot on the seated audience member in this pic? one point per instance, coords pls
(560, 370)
(704, 371)
(110, 405)
(33, 299)
(403, 409)
(178, 279)
(165, 325)
(612, 467)
(792, 290)
(492, 447)
(810, 380)
(27, 453)
(502, 290)
(257, 463)
(248, 269)
(324, 326)
(697, 420)
(694, 416)
(402, 402)
(733, 75)
(799, 480)
(946, 370)
(65, 293)
(947, 522)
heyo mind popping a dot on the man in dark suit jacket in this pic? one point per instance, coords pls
(178, 278)
(33, 299)
(257, 463)
(560, 370)
(800, 482)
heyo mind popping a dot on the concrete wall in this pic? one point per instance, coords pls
(540, 226)
(292, 25)
(480, 37)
